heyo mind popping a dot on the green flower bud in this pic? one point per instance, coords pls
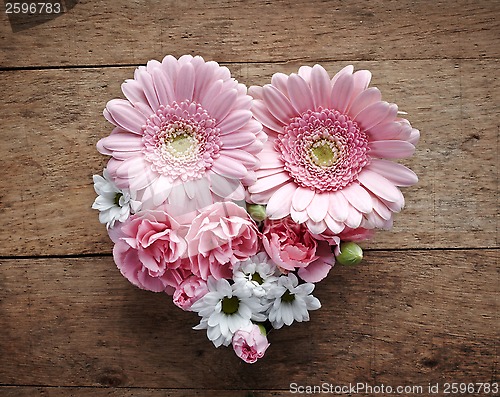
(350, 254)
(263, 330)
(257, 212)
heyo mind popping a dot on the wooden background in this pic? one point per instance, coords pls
(423, 306)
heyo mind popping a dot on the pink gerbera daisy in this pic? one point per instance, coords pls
(185, 134)
(325, 163)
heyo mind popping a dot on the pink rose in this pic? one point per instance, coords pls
(148, 248)
(291, 246)
(250, 344)
(189, 291)
(220, 236)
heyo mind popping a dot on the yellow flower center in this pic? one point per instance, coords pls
(324, 153)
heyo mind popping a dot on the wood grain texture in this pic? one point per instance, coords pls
(52, 120)
(126, 32)
(411, 316)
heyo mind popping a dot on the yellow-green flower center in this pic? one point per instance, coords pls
(324, 153)
(230, 305)
(257, 278)
(180, 143)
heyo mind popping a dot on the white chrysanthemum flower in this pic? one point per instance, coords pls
(225, 309)
(258, 274)
(291, 302)
(114, 204)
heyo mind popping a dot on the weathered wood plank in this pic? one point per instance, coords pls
(407, 317)
(125, 32)
(26, 391)
(52, 119)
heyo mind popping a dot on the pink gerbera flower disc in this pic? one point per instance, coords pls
(327, 161)
(185, 134)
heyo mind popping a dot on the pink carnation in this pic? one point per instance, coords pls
(189, 291)
(220, 236)
(148, 248)
(291, 247)
(250, 344)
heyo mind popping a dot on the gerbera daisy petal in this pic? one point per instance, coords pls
(279, 80)
(302, 198)
(262, 114)
(338, 206)
(269, 182)
(278, 104)
(122, 142)
(280, 202)
(145, 79)
(237, 140)
(364, 99)
(341, 92)
(184, 86)
(391, 149)
(163, 87)
(300, 93)
(394, 172)
(125, 115)
(318, 208)
(358, 197)
(362, 79)
(349, 69)
(320, 86)
(379, 185)
(373, 115)
(229, 167)
(235, 120)
(221, 106)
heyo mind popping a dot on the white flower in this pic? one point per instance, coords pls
(258, 274)
(114, 204)
(225, 309)
(291, 301)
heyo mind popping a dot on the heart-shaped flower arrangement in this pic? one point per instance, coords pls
(236, 202)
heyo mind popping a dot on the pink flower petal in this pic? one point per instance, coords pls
(316, 227)
(385, 131)
(278, 104)
(256, 92)
(146, 81)
(237, 140)
(269, 182)
(298, 216)
(394, 172)
(247, 159)
(361, 81)
(280, 202)
(211, 94)
(184, 86)
(122, 142)
(229, 167)
(354, 218)
(345, 70)
(143, 180)
(126, 116)
(372, 115)
(379, 185)
(338, 206)
(222, 104)
(391, 149)
(132, 89)
(300, 93)
(334, 226)
(132, 167)
(234, 121)
(320, 86)
(280, 81)
(340, 96)
(318, 208)
(162, 188)
(302, 198)
(363, 100)
(262, 114)
(305, 73)
(163, 87)
(358, 197)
